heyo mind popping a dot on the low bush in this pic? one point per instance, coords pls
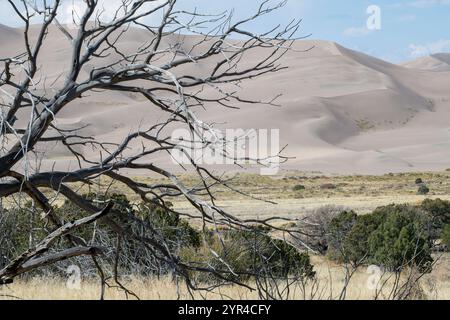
(338, 231)
(299, 187)
(440, 213)
(423, 190)
(402, 239)
(446, 236)
(395, 236)
(23, 228)
(20, 228)
(241, 255)
(314, 228)
(328, 186)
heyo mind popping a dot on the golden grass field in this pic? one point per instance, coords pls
(361, 193)
(435, 286)
(358, 192)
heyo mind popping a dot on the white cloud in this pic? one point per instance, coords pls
(428, 3)
(421, 3)
(417, 51)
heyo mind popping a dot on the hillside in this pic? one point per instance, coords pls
(341, 111)
(435, 62)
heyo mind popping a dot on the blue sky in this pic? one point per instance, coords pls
(409, 28)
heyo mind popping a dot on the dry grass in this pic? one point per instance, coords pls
(361, 193)
(330, 281)
(282, 186)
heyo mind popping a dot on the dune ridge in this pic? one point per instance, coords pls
(341, 111)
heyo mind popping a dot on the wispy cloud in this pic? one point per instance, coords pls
(421, 3)
(417, 51)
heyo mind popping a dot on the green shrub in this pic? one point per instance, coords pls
(20, 228)
(423, 190)
(446, 236)
(394, 236)
(241, 255)
(299, 187)
(169, 225)
(356, 243)
(338, 231)
(403, 239)
(154, 222)
(440, 212)
(314, 228)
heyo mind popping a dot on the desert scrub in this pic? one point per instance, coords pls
(440, 213)
(423, 190)
(314, 228)
(299, 187)
(22, 228)
(395, 237)
(244, 255)
(402, 239)
(446, 236)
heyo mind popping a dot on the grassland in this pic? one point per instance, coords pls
(361, 193)
(330, 281)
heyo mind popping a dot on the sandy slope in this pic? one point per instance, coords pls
(436, 62)
(342, 111)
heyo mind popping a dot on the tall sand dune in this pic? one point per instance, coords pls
(341, 111)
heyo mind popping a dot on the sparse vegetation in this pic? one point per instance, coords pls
(245, 255)
(328, 186)
(423, 190)
(384, 237)
(440, 212)
(395, 237)
(299, 187)
(446, 236)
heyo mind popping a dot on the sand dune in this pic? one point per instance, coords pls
(435, 62)
(342, 111)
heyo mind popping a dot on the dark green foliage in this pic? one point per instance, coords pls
(164, 223)
(169, 225)
(24, 228)
(299, 187)
(338, 231)
(394, 236)
(20, 229)
(440, 212)
(314, 228)
(357, 240)
(423, 190)
(402, 239)
(249, 254)
(446, 236)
